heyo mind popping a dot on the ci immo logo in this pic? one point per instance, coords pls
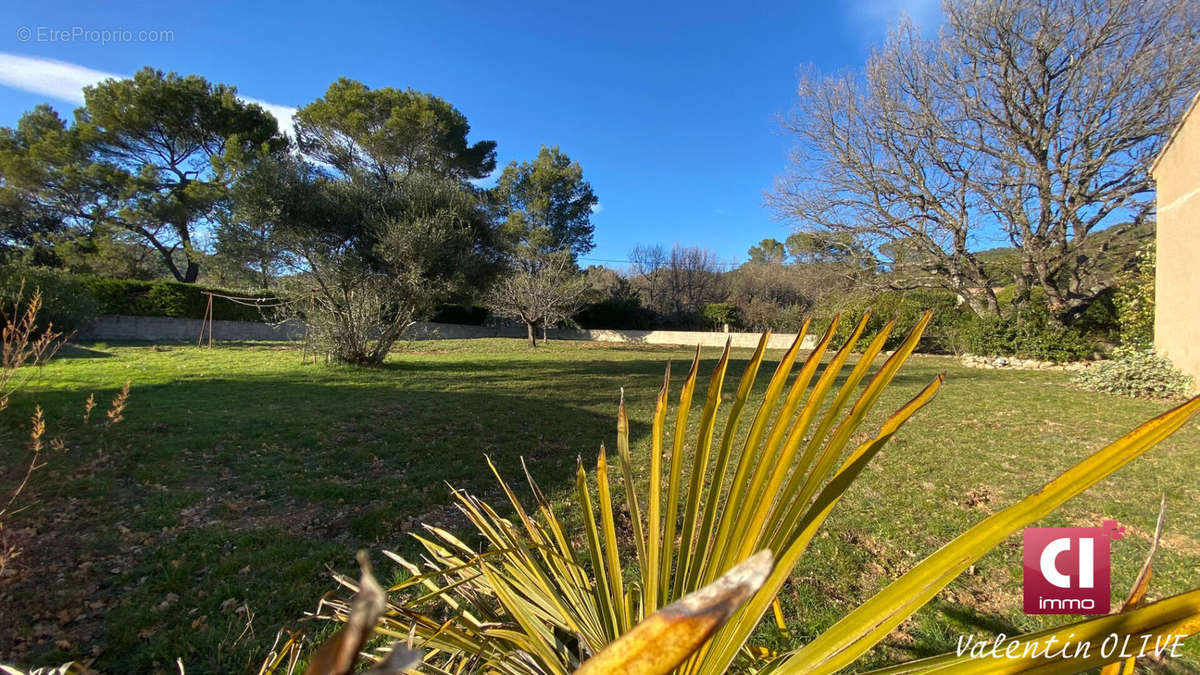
(1067, 569)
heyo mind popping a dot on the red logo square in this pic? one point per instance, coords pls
(1067, 569)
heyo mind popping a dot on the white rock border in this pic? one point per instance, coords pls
(1014, 363)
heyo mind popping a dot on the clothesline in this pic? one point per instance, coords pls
(250, 302)
(261, 303)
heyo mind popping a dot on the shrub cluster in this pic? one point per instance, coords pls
(65, 302)
(1024, 331)
(70, 301)
(1135, 371)
(1135, 302)
(165, 298)
(907, 307)
(466, 315)
(1028, 333)
(617, 313)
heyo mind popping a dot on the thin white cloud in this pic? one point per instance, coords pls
(282, 113)
(65, 82)
(597, 207)
(883, 14)
(56, 79)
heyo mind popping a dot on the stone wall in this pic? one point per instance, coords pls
(155, 328)
(687, 338)
(427, 330)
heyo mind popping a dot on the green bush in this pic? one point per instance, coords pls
(1027, 333)
(1135, 371)
(1135, 302)
(65, 301)
(907, 308)
(789, 319)
(1098, 322)
(466, 315)
(616, 313)
(719, 314)
(166, 298)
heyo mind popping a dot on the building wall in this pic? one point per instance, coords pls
(1177, 279)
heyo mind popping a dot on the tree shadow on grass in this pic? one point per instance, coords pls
(295, 471)
(313, 471)
(953, 620)
(72, 350)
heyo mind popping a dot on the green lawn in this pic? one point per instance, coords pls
(211, 515)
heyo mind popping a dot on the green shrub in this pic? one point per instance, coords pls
(1027, 333)
(466, 315)
(617, 313)
(1135, 371)
(907, 308)
(1099, 321)
(166, 298)
(65, 301)
(789, 319)
(719, 314)
(1095, 325)
(1134, 302)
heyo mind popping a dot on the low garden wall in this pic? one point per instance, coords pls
(685, 337)
(153, 328)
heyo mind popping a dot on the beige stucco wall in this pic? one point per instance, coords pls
(1177, 281)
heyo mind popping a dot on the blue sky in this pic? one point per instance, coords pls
(671, 108)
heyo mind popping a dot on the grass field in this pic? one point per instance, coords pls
(211, 515)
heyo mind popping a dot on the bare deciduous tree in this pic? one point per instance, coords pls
(646, 261)
(541, 290)
(693, 278)
(1027, 120)
(677, 282)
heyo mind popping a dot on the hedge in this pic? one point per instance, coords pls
(65, 303)
(71, 301)
(466, 315)
(615, 313)
(167, 298)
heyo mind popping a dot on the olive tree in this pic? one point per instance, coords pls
(384, 225)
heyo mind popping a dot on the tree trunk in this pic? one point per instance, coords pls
(193, 271)
(532, 334)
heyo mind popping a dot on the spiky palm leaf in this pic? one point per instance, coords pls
(536, 599)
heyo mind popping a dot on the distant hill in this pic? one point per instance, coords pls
(1113, 254)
